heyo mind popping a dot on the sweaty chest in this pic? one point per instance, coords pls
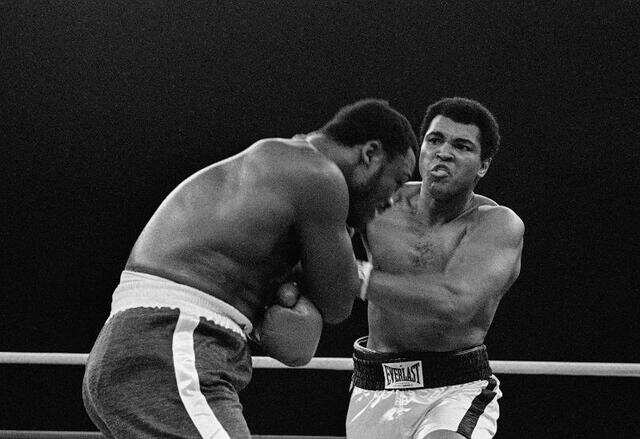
(401, 242)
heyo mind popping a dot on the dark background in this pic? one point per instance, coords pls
(107, 105)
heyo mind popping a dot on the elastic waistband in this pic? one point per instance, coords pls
(417, 370)
(146, 290)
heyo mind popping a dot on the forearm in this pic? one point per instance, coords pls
(417, 293)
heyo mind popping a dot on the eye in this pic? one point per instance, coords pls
(432, 140)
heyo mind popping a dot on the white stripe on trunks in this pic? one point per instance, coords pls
(184, 363)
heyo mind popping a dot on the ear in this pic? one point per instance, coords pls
(372, 153)
(485, 167)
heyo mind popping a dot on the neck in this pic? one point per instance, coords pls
(338, 154)
(441, 211)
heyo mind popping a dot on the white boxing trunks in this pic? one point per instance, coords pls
(409, 395)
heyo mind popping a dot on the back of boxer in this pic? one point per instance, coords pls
(206, 269)
(443, 258)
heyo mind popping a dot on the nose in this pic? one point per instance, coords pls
(444, 153)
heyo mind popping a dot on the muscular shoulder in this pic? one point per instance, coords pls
(308, 176)
(499, 222)
(296, 160)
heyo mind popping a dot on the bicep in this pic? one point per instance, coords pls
(328, 262)
(487, 261)
(327, 258)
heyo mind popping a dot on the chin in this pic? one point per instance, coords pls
(440, 192)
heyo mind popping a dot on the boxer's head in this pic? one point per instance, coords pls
(383, 150)
(459, 139)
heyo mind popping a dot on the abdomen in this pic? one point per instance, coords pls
(391, 331)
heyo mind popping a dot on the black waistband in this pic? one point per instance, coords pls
(416, 370)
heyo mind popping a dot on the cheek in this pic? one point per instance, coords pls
(473, 168)
(425, 158)
(423, 168)
(388, 183)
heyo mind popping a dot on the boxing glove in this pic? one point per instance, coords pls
(291, 328)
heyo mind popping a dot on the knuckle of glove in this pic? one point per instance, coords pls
(288, 294)
(291, 335)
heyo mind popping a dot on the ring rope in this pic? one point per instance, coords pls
(43, 434)
(346, 364)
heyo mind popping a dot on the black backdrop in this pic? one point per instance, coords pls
(106, 106)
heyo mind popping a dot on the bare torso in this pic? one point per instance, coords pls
(228, 229)
(402, 242)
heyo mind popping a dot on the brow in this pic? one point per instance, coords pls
(464, 140)
(455, 140)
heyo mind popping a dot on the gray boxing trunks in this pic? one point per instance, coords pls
(169, 362)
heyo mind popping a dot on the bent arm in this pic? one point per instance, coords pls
(329, 267)
(484, 265)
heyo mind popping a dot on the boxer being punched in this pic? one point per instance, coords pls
(206, 270)
(444, 256)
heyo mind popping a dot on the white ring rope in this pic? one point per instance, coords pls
(332, 363)
(40, 434)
